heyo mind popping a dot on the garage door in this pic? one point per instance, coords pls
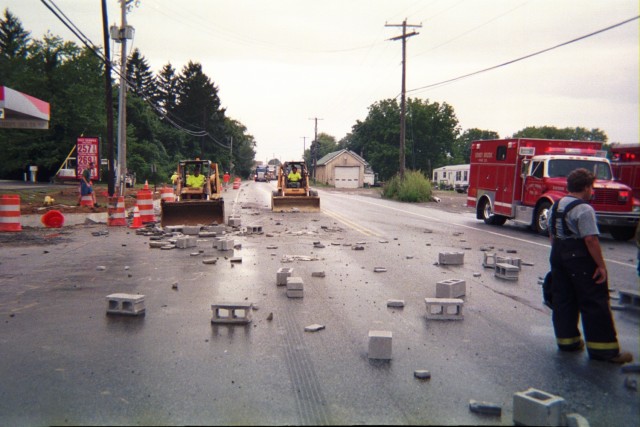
(347, 176)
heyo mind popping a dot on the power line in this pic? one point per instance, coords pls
(524, 57)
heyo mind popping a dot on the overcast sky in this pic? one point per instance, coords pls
(279, 64)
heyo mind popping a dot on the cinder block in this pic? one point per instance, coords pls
(452, 288)
(295, 284)
(379, 344)
(127, 304)
(225, 244)
(234, 221)
(186, 242)
(444, 308)
(191, 230)
(509, 260)
(295, 293)
(451, 258)
(232, 312)
(254, 229)
(507, 271)
(537, 408)
(489, 260)
(218, 229)
(282, 275)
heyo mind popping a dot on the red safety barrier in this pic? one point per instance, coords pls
(115, 212)
(53, 219)
(137, 221)
(166, 194)
(10, 213)
(145, 204)
(86, 201)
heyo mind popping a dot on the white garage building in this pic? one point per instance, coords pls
(344, 169)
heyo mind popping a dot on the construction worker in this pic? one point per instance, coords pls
(294, 177)
(196, 180)
(174, 179)
(86, 186)
(579, 275)
(226, 179)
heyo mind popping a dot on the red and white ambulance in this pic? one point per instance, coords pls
(519, 179)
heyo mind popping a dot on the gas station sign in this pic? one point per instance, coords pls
(87, 151)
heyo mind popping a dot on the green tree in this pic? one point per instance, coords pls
(324, 145)
(140, 77)
(552, 132)
(462, 145)
(167, 88)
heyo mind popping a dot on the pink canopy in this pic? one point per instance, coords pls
(22, 111)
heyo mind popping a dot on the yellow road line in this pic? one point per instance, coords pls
(349, 223)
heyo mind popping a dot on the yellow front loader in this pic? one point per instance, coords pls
(294, 196)
(195, 204)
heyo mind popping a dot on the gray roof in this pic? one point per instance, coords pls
(328, 157)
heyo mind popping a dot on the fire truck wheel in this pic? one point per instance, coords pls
(622, 233)
(488, 216)
(542, 216)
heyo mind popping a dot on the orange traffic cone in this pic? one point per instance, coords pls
(137, 221)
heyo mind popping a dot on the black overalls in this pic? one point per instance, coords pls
(575, 293)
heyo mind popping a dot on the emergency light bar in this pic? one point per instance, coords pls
(576, 151)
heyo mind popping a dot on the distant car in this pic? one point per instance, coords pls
(262, 174)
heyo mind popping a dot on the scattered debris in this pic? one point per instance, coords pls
(101, 268)
(631, 383)
(398, 303)
(317, 274)
(422, 374)
(210, 260)
(313, 328)
(174, 286)
(379, 269)
(270, 317)
(485, 408)
(358, 248)
(291, 258)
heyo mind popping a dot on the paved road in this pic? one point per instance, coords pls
(65, 362)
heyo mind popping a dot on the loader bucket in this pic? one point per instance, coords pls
(192, 212)
(295, 203)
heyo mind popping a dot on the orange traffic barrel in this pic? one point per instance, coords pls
(145, 204)
(53, 219)
(86, 201)
(115, 212)
(236, 183)
(10, 212)
(166, 194)
(137, 221)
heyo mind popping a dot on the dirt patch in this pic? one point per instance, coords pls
(35, 237)
(65, 199)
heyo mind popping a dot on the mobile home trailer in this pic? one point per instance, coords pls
(452, 177)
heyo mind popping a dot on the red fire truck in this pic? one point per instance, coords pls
(519, 179)
(625, 162)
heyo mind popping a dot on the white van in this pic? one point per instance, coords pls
(452, 177)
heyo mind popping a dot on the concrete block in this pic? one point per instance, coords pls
(295, 284)
(451, 288)
(509, 260)
(451, 258)
(254, 229)
(444, 308)
(191, 230)
(295, 293)
(282, 275)
(534, 407)
(226, 244)
(397, 303)
(186, 242)
(127, 304)
(507, 271)
(380, 344)
(234, 221)
(485, 408)
(489, 260)
(232, 312)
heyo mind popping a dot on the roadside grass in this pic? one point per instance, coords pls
(415, 188)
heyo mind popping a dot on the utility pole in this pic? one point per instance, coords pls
(231, 155)
(304, 147)
(121, 35)
(314, 148)
(108, 102)
(403, 37)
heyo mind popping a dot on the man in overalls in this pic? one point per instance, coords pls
(579, 275)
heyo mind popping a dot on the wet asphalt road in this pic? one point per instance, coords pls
(66, 362)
